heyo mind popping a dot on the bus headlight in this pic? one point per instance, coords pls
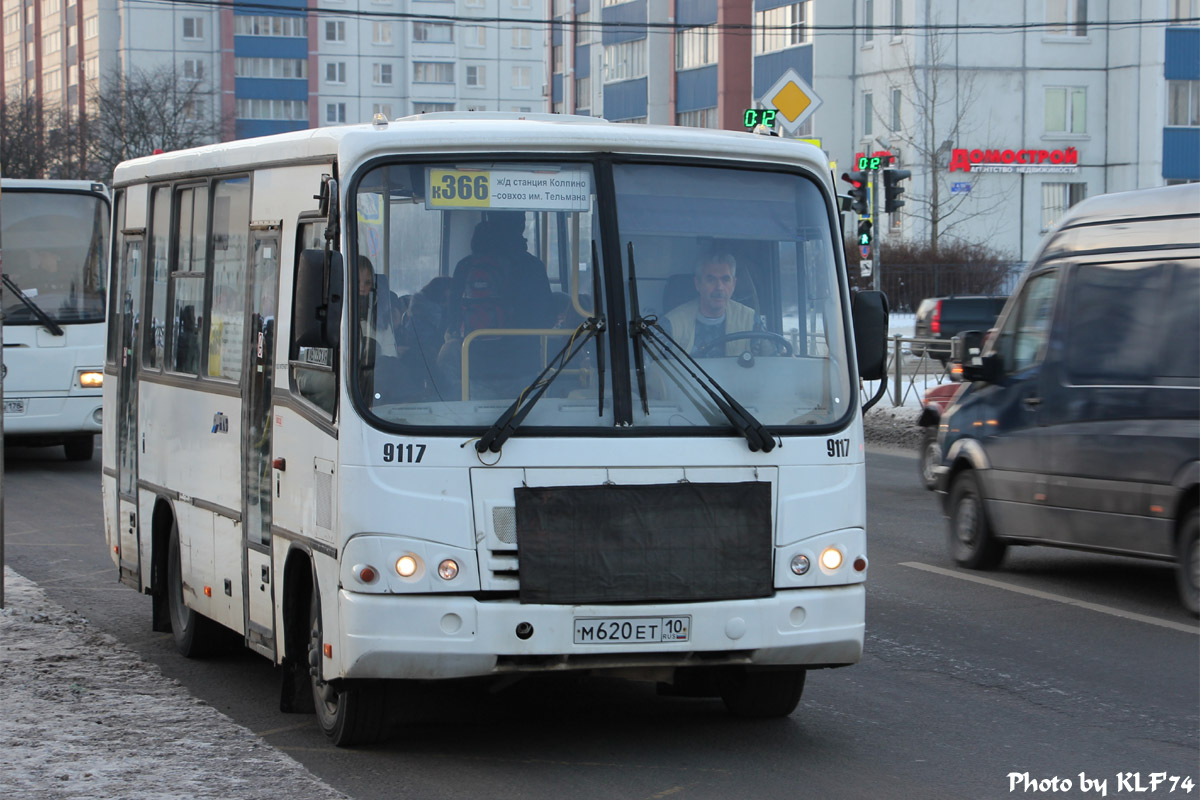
(407, 565)
(448, 569)
(90, 378)
(831, 558)
(800, 564)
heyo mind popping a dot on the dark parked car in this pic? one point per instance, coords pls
(945, 317)
(1080, 427)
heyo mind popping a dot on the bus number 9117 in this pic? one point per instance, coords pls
(403, 453)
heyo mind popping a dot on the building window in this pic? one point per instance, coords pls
(896, 100)
(475, 36)
(193, 69)
(381, 33)
(49, 7)
(382, 108)
(476, 77)
(556, 58)
(700, 118)
(431, 108)
(868, 114)
(52, 80)
(696, 47)
(474, 3)
(781, 28)
(72, 36)
(521, 3)
(897, 17)
(1184, 9)
(1057, 198)
(270, 68)
(12, 57)
(335, 112)
(583, 93)
(625, 61)
(520, 77)
(433, 72)
(193, 28)
(1066, 110)
(272, 109)
(868, 24)
(522, 38)
(335, 72)
(1183, 103)
(335, 30)
(91, 68)
(433, 32)
(12, 22)
(1066, 17)
(51, 43)
(583, 28)
(381, 74)
(270, 26)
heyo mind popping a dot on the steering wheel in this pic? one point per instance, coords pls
(781, 343)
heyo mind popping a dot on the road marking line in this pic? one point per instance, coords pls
(1057, 598)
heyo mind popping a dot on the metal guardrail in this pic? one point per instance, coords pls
(911, 373)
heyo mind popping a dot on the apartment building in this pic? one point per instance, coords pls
(278, 65)
(1006, 113)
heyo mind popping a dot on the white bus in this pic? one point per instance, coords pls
(442, 398)
(54, 236)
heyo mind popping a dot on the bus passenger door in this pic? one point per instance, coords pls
(129, 292)
(256, 449)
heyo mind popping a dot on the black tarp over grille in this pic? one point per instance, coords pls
(663, 542)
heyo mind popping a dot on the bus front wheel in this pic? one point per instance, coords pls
(349, 712)
(762, 693)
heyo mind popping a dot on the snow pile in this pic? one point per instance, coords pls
(84, 717)
(893, 426)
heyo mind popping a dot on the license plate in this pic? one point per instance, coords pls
(14, 406)
(632, 630)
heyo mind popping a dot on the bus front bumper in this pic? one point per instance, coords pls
(47, 415)
(450, 636)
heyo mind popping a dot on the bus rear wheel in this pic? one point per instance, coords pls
(80, 448)
(196, 635)
(349, 712)
(762, 693)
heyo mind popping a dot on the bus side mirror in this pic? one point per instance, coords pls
(317, 300)
(870, 313)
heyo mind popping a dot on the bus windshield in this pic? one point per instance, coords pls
(472, 277)
(54, 245)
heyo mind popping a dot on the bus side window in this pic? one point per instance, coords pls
(311, 369)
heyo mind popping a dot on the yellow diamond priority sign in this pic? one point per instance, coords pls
(793, 98)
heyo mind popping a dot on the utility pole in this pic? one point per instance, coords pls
(878, 248)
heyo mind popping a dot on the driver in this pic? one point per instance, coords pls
(713, 314)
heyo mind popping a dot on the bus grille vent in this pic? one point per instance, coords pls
(323, 498)
(504, 523)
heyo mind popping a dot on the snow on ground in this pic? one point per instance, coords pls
(85, 717)
(896, 426)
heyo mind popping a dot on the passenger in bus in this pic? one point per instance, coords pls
(713, 313)
(500, 285)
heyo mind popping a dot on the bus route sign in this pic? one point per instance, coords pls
(509, 188)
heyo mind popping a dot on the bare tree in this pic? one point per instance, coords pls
(25, 153)
(943, 99)
(144, 111)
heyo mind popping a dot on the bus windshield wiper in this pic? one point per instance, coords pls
(757, 435)
(42, 316)
(639, 365)
(514, 415)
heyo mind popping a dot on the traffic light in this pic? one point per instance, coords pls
(864, 233)
(858, 190)
(892, 188)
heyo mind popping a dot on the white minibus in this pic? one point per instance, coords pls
(482, 395)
